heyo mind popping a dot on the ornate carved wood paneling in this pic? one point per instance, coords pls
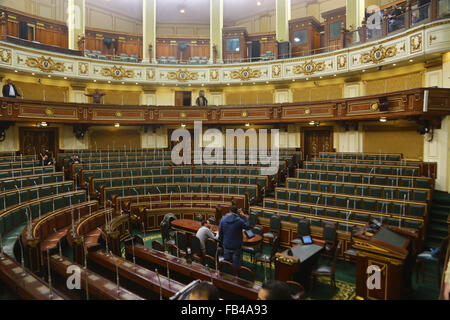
(35, 140)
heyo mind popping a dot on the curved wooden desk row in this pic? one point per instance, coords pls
(16, 215)
(150, 217)
(179, 269)
(368, 178)
(4, 159)
(19, 164)
(252, 192)
(344, 227)
(386, 206)
(361, 155)
(400, 163)
(16, 196)
(64, 158)
(143, 281)
(11, 173)
(24, 283)
(30, 180)
(75, 168)
(413, 170)
(95, 184)
(99, 288)
(84, 175)
(129, 203)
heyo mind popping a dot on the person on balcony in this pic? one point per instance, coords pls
(201, 100)
(96, 96)
(9, 90)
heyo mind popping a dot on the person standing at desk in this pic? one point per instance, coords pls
(9, 90)
(96, 96)
(230, 234)
(204, 233)
(201, 100)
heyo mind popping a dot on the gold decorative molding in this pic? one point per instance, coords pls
(245, 74)
(118, 114)
(118, 73)
(374, 107)
(5, 55)
(214, 74)
(150, 74)
(182, 75)
(45, 64)
(378, 54)
(309, 67)
(83, 68)
(416, 42)
(49, 112)
(341, 61)
(276, 71)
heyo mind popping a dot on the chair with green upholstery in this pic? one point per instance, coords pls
(292, 207)
(422, 183)
(355, 203)
(302, 197)
(305, 209)
(348, 189)
(325, 187)
(355, 178)
(331, 213)
(361, 217)
(420, 195)
(292, 196)
(274, 228)
(246, 274)
(280, 194)
(341, 202)
(282, 205)
(417, 210)
(227, 268)
(330, 238)
(370, 205)
(303, 229)
(362, 191)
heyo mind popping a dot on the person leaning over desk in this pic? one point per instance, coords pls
(230, 234)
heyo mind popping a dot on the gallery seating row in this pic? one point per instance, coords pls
(407, 208)
(374, 191)
(74, 169)
(413, 170)
(16, 216)
(124, 158)
(406, 163)
(365, 178)
(97, 183)
(253, 191)
(17, 196)
(12, 173)
(361, 155)
(30, 180)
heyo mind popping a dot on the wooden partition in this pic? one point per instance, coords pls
(334, 23)
(230, 47)
(113, 43)
(304, 34)
(182, 48)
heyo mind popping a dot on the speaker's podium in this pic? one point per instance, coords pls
(383, 265)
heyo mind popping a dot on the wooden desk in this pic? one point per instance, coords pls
(299, 265)
(24, 283)
(389, 252)
(99, 287)
(179, 268)
(140, 278)
(192, 226)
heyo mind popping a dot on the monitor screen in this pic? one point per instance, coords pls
(233, 44)
(307, 240)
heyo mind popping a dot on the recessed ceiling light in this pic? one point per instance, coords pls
(293, 80)
(394, 64)
(321, 77)
(117, 125)
(109, 81)
(247, 124)
(335, 75)
(65, 78)
(258, 3)
(137, 83)
(411, 60)
(123, 82)
(203, 84)
(307, 78)
(33, 74)
(95, 80)
(44, 124)
(49, 75)
(183, 125)
(297, 39)
(383, 119)
(16, 71)
(364, 70)
(182, 11)
(311, 123)
(228, 84)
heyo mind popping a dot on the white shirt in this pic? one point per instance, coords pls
(12, 92)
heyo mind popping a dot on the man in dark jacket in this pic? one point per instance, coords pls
(9, 90)
(230, 234)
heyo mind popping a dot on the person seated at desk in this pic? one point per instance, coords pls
(96, 96)
(75, 159)
(45, 159)
(201, 100)
(230, 234)
(204, 291)
(274, 290)
(204, 233)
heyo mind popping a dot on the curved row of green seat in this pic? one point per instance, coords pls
(125, 158)
(31, 180)
(409, 208)
(16, 215)
(17, 158)
(379, 162)
(374, 191)
(345, 219)
(130, 172)
(12, 197)
(365, 178)
(116, 165)
(11, 173)
(224, 169)
(253, 190)
(361, 156)
(19, 165)
(364, 168)
(194, 178)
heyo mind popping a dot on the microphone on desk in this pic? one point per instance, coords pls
(160, 288)
(49, 275)
(210, 273)
(1, 246)
(117, 279)
(59, 245)
(168, 272)
(134, 258)
(106, 239)
(21, 255)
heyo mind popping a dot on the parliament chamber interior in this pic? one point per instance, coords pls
(171, 149)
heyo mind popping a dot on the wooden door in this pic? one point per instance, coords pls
(316, 141)
(183, 98)
(36, 140)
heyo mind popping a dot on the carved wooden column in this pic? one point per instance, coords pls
(3, 26)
